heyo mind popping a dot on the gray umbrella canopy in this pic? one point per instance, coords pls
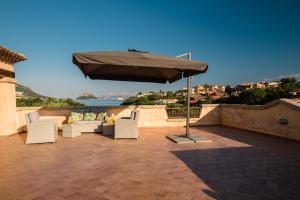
(137, 66)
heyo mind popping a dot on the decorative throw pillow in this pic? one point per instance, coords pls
(101, 116)
(111, 120)
(76, 116)
(70, 121)
(89, 116)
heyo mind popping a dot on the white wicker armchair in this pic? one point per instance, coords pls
(38, 130)
(127, 127)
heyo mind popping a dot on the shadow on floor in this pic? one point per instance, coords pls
(246, 172)
(249, 137)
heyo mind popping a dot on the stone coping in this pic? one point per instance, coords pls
(8, 80)
(71, 108)
(181, 119)
(151, 106)
(288, 102)
(92, 107)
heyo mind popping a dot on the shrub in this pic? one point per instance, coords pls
(253, 96)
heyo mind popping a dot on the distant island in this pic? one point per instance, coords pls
(86, 95)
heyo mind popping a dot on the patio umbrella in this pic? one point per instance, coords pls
(133, 65)
(136, 66)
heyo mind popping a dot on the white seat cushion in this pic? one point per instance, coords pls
(33, 117)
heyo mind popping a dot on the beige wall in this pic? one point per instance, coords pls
(62, 114)
(6, 66)
(150, 116)
(263, 119)
(7, 108)
(7, 103)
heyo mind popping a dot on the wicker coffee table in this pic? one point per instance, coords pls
(108, 129)
(71, 130)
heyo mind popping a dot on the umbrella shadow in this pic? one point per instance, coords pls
(245, 172)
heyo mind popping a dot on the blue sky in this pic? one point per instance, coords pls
(241, 40)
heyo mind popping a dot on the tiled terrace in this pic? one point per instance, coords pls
(236, 165)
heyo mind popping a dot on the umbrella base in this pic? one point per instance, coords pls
(182, 139)
(198, 138)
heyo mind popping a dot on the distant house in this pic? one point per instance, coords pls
(218, 88)
(184, 91)
(166, 101)
(295, 93)
(215, 97)
(272, 84)
(258, 86)
(196, 99)
(205, 90)
(19, 94)
(262, 85)
(251, 86)
(144, 94)
(200, 90)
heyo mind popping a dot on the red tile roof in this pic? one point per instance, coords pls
(10, 56)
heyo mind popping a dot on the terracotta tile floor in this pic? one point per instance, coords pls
(236, 165)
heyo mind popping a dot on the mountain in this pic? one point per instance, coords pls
(86, 95)
(23, 91)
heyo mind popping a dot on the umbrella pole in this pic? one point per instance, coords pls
(188, 85)
(187, 137)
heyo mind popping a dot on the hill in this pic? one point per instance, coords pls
(86, 95)
(23, 91)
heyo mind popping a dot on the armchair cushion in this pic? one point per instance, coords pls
(101, 116)
(76, 116)
(33, 117)
(89, 116)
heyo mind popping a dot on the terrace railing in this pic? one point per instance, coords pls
(177, 113)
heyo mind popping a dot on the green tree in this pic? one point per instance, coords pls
(208, 100)
(144, 101)
(289, 84)
(130, 101)
(27, 102)
(274, 93)
(253, 96)
(154, 97)
(229, 89)
(206, 86)
(170, 95)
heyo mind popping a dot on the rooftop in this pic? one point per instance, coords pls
(11, 56)
(238, 164)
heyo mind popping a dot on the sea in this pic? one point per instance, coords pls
(101, 102)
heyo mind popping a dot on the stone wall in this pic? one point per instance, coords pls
(266, 118)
